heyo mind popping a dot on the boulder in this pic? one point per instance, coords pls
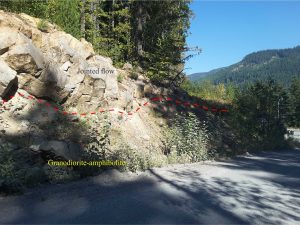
(61, 149)
(53, 75)
(75, 75)
(111, 91)
(141, 78)
(104, 71)
(89, 95)
(127, 101)
(7, 78)
(41, 89)
(66, 66)
(25, 58)
(99, 87)
(68, 45)
(139, 90)
(101, 60)
(127, 66)
(7, 39)
(148, 90)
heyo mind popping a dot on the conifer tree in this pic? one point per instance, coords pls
(66, 14)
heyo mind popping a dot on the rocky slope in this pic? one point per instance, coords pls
(61, 100)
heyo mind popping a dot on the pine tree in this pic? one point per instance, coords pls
(66, 14)
(294, 103)
(164, 35)
(149, 34)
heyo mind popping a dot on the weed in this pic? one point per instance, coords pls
(43, 25)
(134, 75)
(120, 78)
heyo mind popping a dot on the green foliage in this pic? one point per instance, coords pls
(187, 137)
(35, 8)
(258, 117)
(43, 25)
(135, 160)
(149, 34)
(65, 13)
(281, 65)
(133, 75)
(9, 175)
(294, 103)
(164, 36)
(120, 78)
(207, 90)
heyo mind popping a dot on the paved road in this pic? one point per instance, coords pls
(259, 189)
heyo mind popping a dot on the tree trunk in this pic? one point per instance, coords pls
(93, 7)
(112, 15)
(82, 19)
(140, 30)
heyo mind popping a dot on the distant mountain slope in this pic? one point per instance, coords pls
(197, 76)
(280, 64)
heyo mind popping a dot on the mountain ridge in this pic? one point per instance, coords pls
(280, 64)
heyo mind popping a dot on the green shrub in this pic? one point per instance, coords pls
(134, 75)
(258, 117)
(186, 139)
(125, 153)
(136, 161)
(10, 181)
(43, 25)
(120, 78)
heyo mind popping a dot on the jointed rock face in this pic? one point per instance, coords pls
(55, 67)
(52, 65)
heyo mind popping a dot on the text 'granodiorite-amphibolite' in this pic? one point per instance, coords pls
(87, 163)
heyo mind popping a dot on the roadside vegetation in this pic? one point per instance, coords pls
(260, 112)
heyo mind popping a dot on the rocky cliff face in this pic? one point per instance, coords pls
(53, 64)
(60, 99)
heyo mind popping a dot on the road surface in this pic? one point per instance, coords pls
(258, 189)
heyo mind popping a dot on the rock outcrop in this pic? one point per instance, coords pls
(69, 102)
(7, 78)
(53, 65)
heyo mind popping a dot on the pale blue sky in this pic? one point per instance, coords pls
(228, 30)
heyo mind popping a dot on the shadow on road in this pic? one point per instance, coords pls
(260, 189)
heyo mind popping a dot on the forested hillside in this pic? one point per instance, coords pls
(149, 34)
(281, 65)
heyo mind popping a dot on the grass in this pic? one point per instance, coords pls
(134, 75)
(120, 78)
(43, 25)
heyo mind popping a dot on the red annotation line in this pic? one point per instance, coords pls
(156, 99)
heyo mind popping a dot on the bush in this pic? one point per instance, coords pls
(9, 176)
(134, 75)
(186, 139)
(120, 78)
(136, 161)
(207, 90)
(257, 117)
(43, 25)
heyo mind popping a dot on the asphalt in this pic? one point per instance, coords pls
(255, 189)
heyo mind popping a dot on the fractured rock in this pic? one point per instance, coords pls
(7, 39)
(25, 58)
(7, 78)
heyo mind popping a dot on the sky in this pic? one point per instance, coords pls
(226, 31)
